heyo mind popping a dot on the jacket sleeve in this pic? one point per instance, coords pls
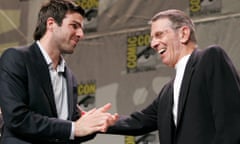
(224, 90)
(139, 122)
(18, 117)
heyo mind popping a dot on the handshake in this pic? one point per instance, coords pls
(95, 120)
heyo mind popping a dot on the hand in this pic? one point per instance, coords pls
(95, 120)
(111, 119)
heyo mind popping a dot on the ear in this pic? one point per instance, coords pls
(184, 34)
(50, 23)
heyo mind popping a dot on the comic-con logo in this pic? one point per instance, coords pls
(91, 13)
(90, 6)
(203, 7)
(138, 52)
(86, 94)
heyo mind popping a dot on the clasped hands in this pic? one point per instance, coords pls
(95, 120)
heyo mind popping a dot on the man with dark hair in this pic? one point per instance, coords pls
(201, 105)
(39, 92)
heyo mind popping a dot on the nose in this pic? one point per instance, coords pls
(80, 33)
(154, 43)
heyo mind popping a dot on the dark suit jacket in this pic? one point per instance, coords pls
(209, 105)
(27, 99)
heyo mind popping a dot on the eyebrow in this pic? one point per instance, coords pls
(159, 33)
(78, 23)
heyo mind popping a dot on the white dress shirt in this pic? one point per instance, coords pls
(180, 68)
(59, 84)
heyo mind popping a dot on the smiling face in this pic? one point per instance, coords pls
(166, 41)
(67, 35)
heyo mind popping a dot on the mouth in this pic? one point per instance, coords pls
(75, 41)
(161, 51)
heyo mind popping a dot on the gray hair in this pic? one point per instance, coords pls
(178, 19)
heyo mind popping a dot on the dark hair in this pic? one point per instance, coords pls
(56, 9)
(178, 19)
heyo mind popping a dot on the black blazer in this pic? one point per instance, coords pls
(209, 105)
(27, 99)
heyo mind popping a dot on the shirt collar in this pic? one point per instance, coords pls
(182, 62)
(61, 65)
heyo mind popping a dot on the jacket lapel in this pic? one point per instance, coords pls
(68, 76)
(186, 84)
(171, 121)
(41, 68)
(170, 126)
